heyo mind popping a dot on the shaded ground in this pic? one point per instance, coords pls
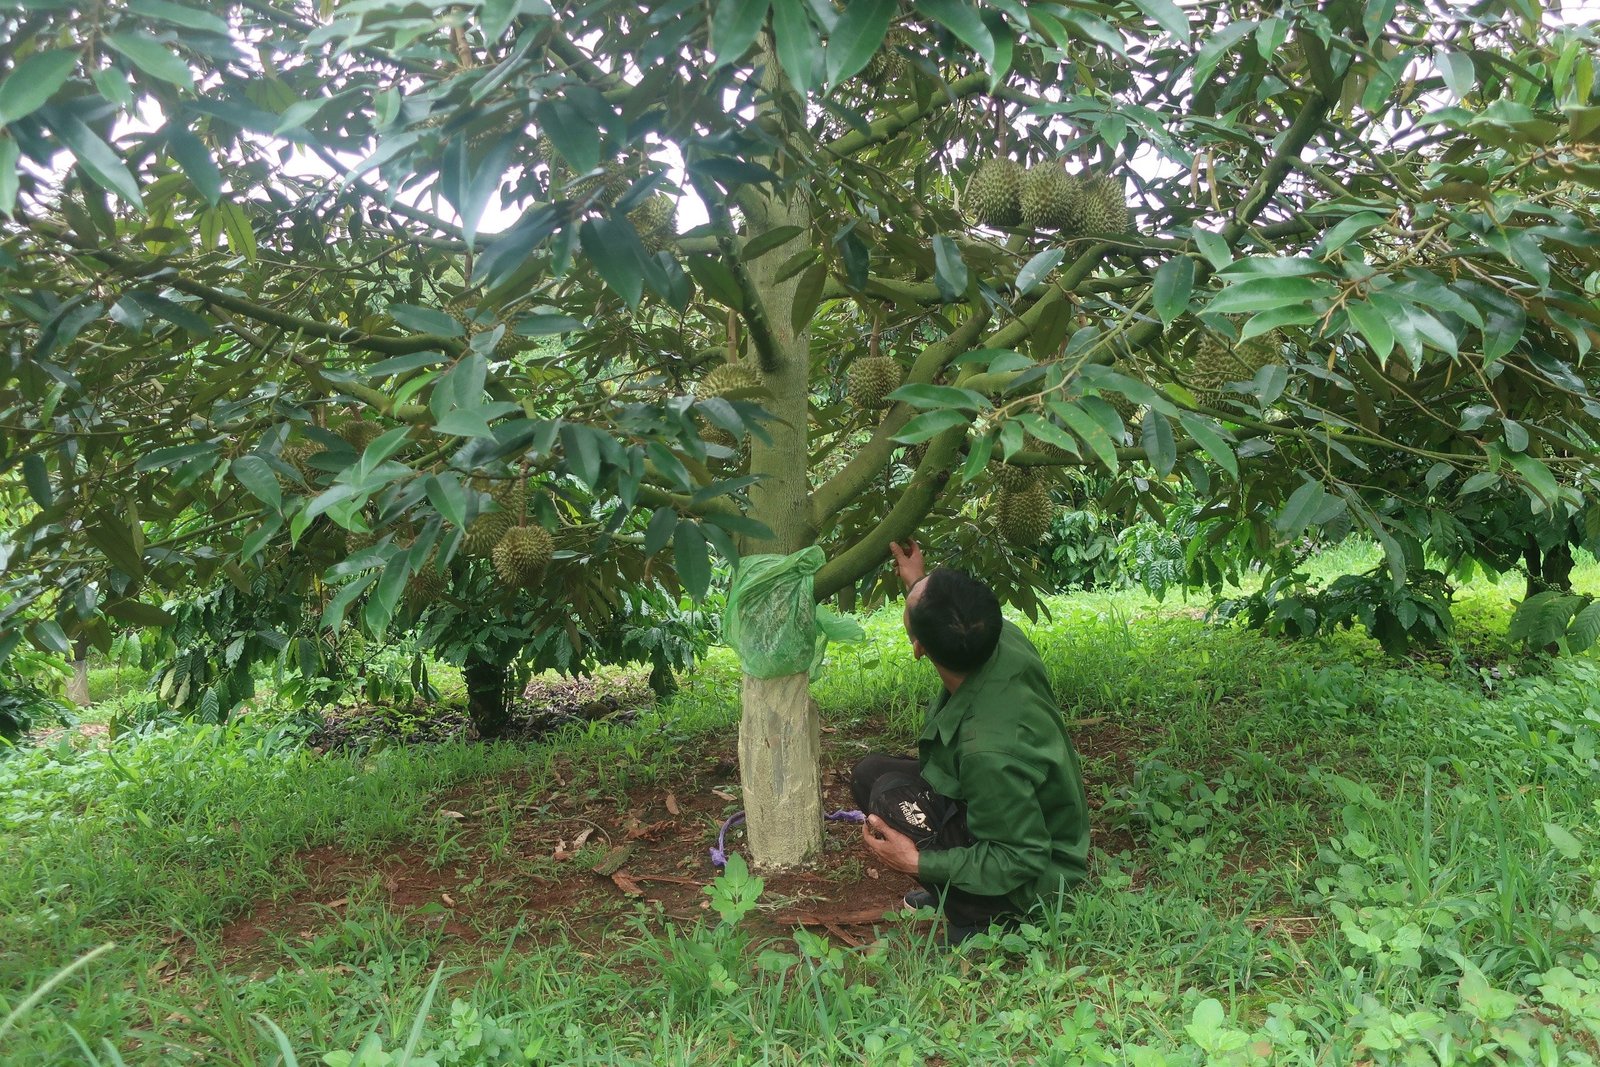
(570, 864)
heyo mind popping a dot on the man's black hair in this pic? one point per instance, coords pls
(957, 619)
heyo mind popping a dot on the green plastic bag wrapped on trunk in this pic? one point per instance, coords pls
(772, 620)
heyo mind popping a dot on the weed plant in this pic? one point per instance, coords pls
(1306, 854)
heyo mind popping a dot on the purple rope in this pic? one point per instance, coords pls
(719, 854)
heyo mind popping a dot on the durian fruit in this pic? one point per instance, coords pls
(1011, 478)
(913, 456)
(360, 432)
(1023, 516)
(484, 532)
(298, 455)
(1105, 205)
(727, 378)
(1050, 198)
(653, 219)
(994, 193)
(1031, 443)
(522, 555)
(870, 381)
(888, 68)
(1215, 362)
(716, 435)
(356, 541)
(425, 585)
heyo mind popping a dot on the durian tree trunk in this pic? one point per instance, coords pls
(486, 697)
(780, 758)
(78, 684)
(1548, 568)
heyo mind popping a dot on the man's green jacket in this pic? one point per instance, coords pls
(1000, 744)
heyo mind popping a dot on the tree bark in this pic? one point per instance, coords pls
(1547, 568)
(486, 697)
(780, 769)
(78, 684)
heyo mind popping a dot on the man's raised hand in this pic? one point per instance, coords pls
(908, 562)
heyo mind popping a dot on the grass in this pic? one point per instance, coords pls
(1306, 854)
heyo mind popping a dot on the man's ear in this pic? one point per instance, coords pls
(917, 651)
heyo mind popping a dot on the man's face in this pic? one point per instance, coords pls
(912, 597)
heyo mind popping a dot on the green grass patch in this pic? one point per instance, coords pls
(1305, 854)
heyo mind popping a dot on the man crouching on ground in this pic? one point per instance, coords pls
(990, 817)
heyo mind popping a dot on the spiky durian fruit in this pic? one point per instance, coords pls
(913, 456)
(653, 219)
(425, 585)
(360, 432)
(871, 379)
(1050, 198)
(484, 532)
(522, 555)
(355, 541)
(1215, 362)
(1023, 516)
(1105, 205)
(888, 67)
(994, 193)
(727, 378)
(298, 455)
(1011, 478)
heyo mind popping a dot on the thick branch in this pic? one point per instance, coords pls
(866, 464)
(890, 125)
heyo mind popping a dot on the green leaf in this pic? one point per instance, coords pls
(448, 496)
(425, 320)
(617, 257)
(152, 57)
(930, 424)
(333, 615)
(1174, 283)
(582, 447)
(1207, 435)
(1301, 509)
(1347, 231)
(1090, 429)
(189, 153)
(47, 634)
(256, 475)
(136, 613)
(807, 296)
(949, 269)
(1459, 76)
(1261, 294)
(1374, 327)
(691, 559)
(114, 538)
(1155, 434)
(799, 46)
(662, 524)
(734, 28)
(1214, 248)
(1216, 46)
(114, 86)
(760, 245)
(1038, 268)
(1167, 15)
(33, 82)
(921, 395)
(497, 16)
(1585, 629)
(10, 184)
(576, 137)
(37, 479)
(1562, 839)
(1540, 483)
(961, 19)
(96, 158)
(858, 34)
(180, 15)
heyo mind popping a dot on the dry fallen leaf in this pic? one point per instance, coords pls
(583, 835)
(446, 813)
(724, 794)
(341, 902)
(449, 901)
(627, 884)
(872, 872)
(672, 804)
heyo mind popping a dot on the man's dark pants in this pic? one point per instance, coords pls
(892, 788)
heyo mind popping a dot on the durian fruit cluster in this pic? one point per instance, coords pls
(1003, 193)
(605, 188)
(1214, 361)
(870, 380)
(510, 496)
(1023, 510)
(522, 554)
